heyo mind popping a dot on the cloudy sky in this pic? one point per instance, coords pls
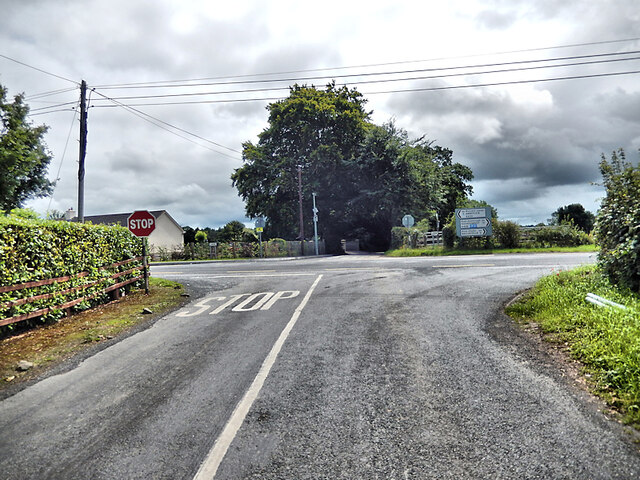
(194, 78)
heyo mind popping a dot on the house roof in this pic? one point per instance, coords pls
(121, 218)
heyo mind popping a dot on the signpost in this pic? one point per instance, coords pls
(259, 223)
(473, 222)
(408, 221)
(141, 223)
(315, 223)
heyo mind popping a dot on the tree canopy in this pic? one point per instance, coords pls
(366, 176)
(576, 214)
(23, 155)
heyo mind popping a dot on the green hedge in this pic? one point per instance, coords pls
(32, 250)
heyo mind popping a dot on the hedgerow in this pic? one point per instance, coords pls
(32, 250)
(618, 221)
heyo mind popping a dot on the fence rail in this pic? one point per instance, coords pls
(114, 289)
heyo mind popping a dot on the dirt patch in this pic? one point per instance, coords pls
(49, 346)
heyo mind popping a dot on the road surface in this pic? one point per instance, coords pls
(340, 368)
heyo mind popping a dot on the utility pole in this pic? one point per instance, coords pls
(315, 223)
(300, 209)
(83, 149)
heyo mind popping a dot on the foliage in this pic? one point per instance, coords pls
(54, 215)
(449, 236)
(231, 232)
(565, 235)
(506, 233)
(316, 130)
(38, 249)
(605, 340)
(618, 222)
(576, 214)
(201, 236)
(23, 155)
(366, 176)
(26, 213)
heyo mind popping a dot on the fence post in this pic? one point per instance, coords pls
(145, 266)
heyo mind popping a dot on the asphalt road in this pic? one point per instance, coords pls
(342, 367)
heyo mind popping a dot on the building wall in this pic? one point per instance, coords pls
(166, 235)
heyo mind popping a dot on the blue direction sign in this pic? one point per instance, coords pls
(473, 222)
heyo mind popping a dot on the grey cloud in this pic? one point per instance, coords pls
(495, 20)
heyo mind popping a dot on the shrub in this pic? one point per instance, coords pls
(565, 235)
(618, 221)
(398, 235)
(449, 236)
(507, 233)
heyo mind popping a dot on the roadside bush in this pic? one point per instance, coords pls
(618, 222)
(276, 247)
(506, 233)
(449, 236)
(398, 235)
(565, 235)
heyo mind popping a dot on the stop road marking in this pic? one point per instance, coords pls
(253, 301)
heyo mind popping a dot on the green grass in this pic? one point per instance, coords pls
(440, 251)
(605, 340)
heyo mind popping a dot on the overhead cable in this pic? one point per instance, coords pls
(557, 47)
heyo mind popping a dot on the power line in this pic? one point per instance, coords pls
(446, 87)
(162, 124)
(403, 79)
(397, 72)
(35, 96)
(153, 83)
(64, 152)
(51, 111)
(478, 85)
(39, 69)
(64, 104)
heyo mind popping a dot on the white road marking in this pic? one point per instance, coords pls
(226, 304)
(209, 275)
(209, 467)
(466, 265)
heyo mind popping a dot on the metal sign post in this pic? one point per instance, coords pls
(259, 228)
(408, 221)
(141, 223)
(315, 223)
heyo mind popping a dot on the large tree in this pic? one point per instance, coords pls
(365, 176)
(575, 213)
(23, 155)
(318, 131)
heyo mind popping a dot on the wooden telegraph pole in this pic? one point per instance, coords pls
(83, 149)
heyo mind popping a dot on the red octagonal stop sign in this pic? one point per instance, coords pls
(141, 223)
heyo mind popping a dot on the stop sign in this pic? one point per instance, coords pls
(141, 223)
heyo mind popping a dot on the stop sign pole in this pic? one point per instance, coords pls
(141, 223)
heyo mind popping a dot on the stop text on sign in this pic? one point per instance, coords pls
(141, 223)
(244, 302)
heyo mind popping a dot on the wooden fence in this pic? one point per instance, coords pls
(113, 289)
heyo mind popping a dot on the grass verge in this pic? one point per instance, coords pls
(49, 345)
(605, 340)
(440, 251)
